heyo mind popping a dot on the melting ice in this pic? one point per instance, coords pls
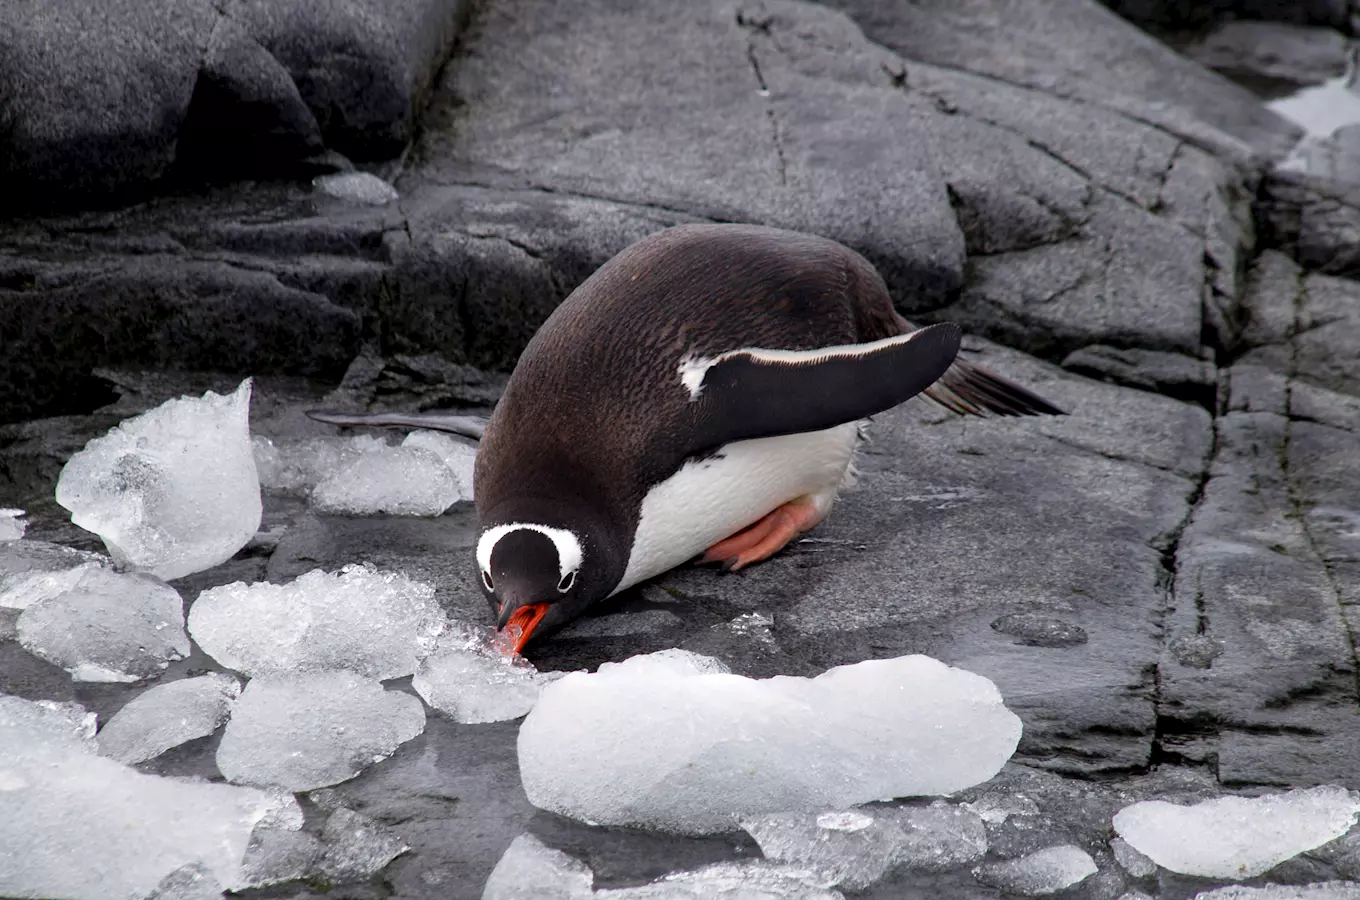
(35, 570)
(1040, 873)
(670, 741)
(528, 870)
(471, 680)
(129, 831)
(1236, 838)
(172, 491)
(408, 480)
(299, 732)
(378, 624)
(107, 627)
(167, 715)
(12, 525)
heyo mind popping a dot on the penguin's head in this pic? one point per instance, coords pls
(536, 578)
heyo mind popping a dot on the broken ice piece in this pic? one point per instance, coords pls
(84, 827)
(298, 466)
(1321, 890)
(457, 455)
(109, 627)
(172, 491)
(377, 624)
(529, 870)
(1235, 838)
(188, 882)
(167, 715)
(473, 681)
(356, 187)
(1043, 872)
(299, 732)
(720, 746)
(856, 848)
(357, 847)
(403, 481)
(12, 525)
(35, 570)
(1133, 862)
(276, 855)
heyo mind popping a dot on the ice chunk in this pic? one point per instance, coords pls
(996, 808)
(356, 187)
(12, 525)
(35, 570)
(299, 732)
(1322, 890)
(1235, 838)
(659, 742)
(190, 882)
(80, 826)
(472, 681)
(754, 880)
(299, 466)
(168, 715)
(1043, 872)
(358, 847)
(856, 848)
(275, 855)
(378, 624)
(1133, 862)
(457, 455)
(109, 627)
(173, 491)
(403, 481)
(528, 870)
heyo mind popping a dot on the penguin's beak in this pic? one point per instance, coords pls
(518, 623)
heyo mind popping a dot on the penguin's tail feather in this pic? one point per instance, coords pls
(971, 390)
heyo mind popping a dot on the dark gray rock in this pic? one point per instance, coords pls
(104, 101)
(1173, 374)
(1079, 49)
(1272, 52)
(1189, 14)
(1314, 220)
(1040, 631)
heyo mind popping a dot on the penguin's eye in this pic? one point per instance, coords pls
(567, 581)
(486, 580)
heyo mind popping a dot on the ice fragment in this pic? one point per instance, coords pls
(1322, 890)
(12, 526)
(356, 187)
(299, 466)
(167, 715)
(299, 732)
(856, 848)
(1236, 838)
(128, 831)
(358, 847)
(378, 624)
(35, 570)
(172, 491)
(108, 627)
(669, 741)
(473, 681)
(1135, 863)
(188, 882)
(404, 481)
(1043, 872)
(459, 457)
(276, 855)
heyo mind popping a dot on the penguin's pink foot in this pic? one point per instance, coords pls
(766, 537)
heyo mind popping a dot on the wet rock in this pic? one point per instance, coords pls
(1314, 220)
(1040, 631)
(1272, 52)
(1174, 374)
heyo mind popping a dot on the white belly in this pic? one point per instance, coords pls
(711, 499)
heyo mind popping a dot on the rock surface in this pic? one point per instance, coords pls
(1163, 585)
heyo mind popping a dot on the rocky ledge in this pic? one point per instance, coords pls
(1165, 584)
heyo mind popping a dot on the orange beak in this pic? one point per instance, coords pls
(520, 626)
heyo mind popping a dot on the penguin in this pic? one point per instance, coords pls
(700, 396)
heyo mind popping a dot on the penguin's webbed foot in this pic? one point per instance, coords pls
(766, 537)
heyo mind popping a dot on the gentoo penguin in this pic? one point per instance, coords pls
(700, 395)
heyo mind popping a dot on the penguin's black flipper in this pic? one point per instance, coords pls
(467, 426)
(755, 393)
(974, 391)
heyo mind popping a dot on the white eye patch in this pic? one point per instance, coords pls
(569, 554)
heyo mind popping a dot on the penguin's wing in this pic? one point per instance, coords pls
(754, 393)
(467, 426)
(971, 390)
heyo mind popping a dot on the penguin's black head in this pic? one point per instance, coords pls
(536, 578)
